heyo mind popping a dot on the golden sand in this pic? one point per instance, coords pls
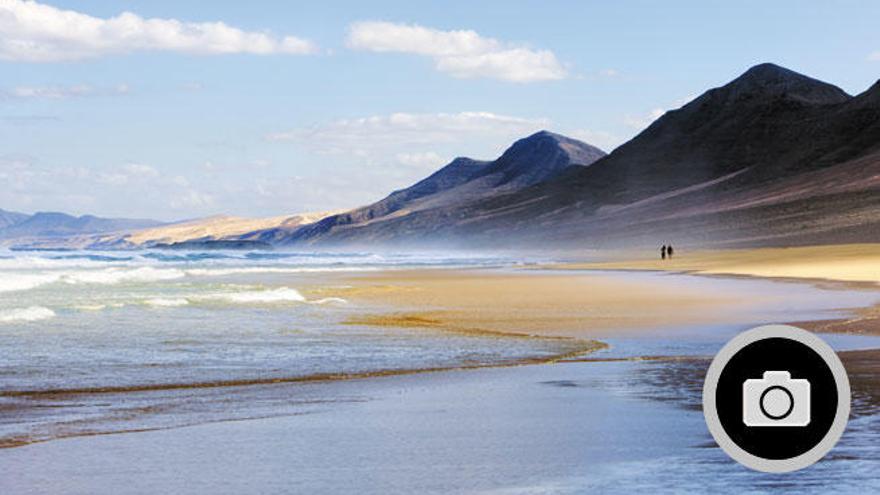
(528, 302)
(843, 263)
(853, 265)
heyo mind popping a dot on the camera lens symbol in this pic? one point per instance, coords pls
(776, 398)
(776, 402)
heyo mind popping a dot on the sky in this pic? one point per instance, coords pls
(180, 109)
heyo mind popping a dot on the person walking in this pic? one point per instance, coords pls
(663, 252)
(669, 251)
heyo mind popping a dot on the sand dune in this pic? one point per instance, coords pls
(218, 227)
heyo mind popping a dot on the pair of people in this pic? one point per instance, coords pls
(666, 251)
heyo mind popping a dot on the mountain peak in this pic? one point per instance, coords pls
(769, 70)
(537, 157)
(771, 80)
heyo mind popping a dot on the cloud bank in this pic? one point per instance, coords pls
(34, 32)
(460, 53)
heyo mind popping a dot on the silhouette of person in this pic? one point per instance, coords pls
(663, 252)
(669, 251)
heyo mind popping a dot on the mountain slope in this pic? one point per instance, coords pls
(697, 172)
(771, 157)
(463, 181)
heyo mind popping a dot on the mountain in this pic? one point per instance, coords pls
(463, 181)
(771, 157)
(10, 218)
(54, 227)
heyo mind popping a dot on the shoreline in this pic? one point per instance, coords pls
(842, 267)
(525, 305)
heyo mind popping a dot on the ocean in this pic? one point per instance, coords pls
(94, 342)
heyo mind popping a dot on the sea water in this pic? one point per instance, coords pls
(109, 341)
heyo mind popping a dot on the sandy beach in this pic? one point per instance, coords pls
(855, 266)
(585, 301)
(855, 263)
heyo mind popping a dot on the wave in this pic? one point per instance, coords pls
(110, 276)
(216, 272)
(90, 307)
(11, 282)
(328, 300)
(281, 294)
(167, 302)
(32, 313)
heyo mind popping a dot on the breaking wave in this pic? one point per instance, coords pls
(281, 294)
(32, 313)
(167, 302)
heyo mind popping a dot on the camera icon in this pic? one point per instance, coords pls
(776, 400)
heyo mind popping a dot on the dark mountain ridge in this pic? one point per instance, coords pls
(765, 158)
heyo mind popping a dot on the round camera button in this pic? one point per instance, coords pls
(776, 398)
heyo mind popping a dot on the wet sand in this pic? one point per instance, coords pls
(576, 302)
(517, 302)
(572, 427)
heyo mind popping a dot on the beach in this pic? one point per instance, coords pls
(535, 379)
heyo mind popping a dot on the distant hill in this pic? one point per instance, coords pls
(430, 202)
(10, 218)
(58, 226)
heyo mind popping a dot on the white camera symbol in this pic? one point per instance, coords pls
(776, 400)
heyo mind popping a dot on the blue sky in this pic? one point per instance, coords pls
(292, 107)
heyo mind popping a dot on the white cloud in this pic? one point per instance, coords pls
(427, 160)
(461, 53)
(609, 73)
(62, 92)
(130, 172)
(140, 170)
(35, 32)
(403, 129)
(643, 121)
(875, 56)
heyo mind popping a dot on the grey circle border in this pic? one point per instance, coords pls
(710, 412)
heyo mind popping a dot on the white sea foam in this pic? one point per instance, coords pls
(32, 313)
(14, 281)
(10, 282)
(167, 302)
(110, 276)
(281, 294)
(90, 307)
(219, 272)
(329, 300)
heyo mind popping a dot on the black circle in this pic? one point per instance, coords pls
(801, 362)
(790, 402)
